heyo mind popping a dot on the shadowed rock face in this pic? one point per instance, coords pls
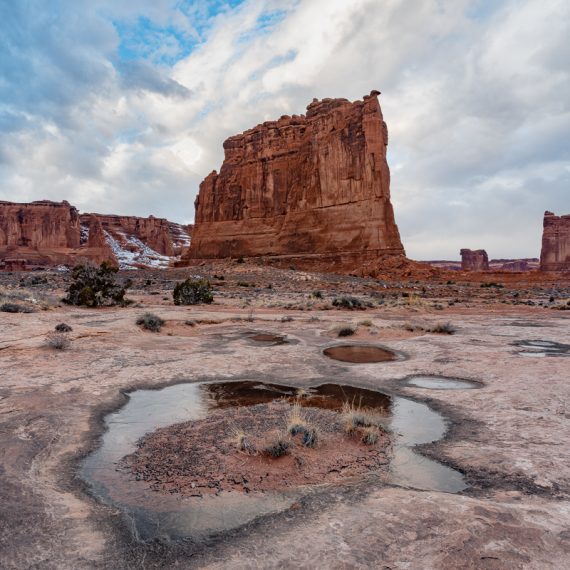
(308, 186)
(555, 253)
(474, 260)
(50, 233)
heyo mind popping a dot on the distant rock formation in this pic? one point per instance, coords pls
(555, 253)
(44, 233)
(474, 260)
(311, 190)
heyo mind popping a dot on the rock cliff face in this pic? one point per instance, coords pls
(474, 260)
(41, 224)
(51, 233)
(309, 188)
(555, 253)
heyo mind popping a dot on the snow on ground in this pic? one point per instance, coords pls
(143, 254)
(180, 236)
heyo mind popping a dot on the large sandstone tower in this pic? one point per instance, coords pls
(555, 253)
(313, 190)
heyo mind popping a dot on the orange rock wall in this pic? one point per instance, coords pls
(154, 232)
(474, 260)
(48, 233)
(304, 186)
(38, 225)
(555, 253)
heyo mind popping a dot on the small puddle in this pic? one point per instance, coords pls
(442, 383)
(360, 354)
(161, 515)
(268, 339)
(542, 348)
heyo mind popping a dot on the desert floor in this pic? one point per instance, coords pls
(511, 438)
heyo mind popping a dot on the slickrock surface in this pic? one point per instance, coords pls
(474, 260)
(510, 437)
(48, 233)
(555, 254)
(312, 188)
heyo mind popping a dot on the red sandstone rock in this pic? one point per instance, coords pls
(555, 253)
(474, 260)
(307, 189)
(154, 232)
(49, 233)
(39, 225)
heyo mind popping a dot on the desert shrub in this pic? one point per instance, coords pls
(492, 284)
(150, 322)
(63, 328)
(317, 294)
(286, 319)
(96, 286)
(442, 328)
(277, 447)
(366, 323)
(351, 303)
(193, 292)
(242, 442)
(15, 308)
(356, 417)
(57, 341)
(240, 260)
(190, 323)
(370, 435)
(348, 330)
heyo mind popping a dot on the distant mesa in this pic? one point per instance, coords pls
(555, 253)
(310, 190)
(44, 234)
(474, 260)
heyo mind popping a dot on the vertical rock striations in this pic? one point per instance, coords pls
(474, 260)
(314, 189)
(555, 253)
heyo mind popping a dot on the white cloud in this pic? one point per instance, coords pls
(477, 107)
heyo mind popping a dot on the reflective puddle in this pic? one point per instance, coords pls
(360, 354)
(442, 383)
(161, 515)
(542, 348)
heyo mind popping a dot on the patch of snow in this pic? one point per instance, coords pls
(144, 255)
(180, 235)
(84, 234)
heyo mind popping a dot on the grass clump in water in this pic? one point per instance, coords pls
(355, 417)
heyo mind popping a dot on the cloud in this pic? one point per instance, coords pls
(123, 107)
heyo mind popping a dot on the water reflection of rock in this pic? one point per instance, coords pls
(155, 514)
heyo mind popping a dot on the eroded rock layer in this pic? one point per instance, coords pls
(48, 233)
(474, 260)
(555, 253)
(311, 188)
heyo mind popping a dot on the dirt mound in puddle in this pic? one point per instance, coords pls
(202, 457)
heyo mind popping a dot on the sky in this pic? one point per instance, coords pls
(122, 107)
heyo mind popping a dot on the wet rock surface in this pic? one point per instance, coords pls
(510, 438)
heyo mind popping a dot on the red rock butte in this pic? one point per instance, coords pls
(555, 253)
(309, 190)
(474, 260)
